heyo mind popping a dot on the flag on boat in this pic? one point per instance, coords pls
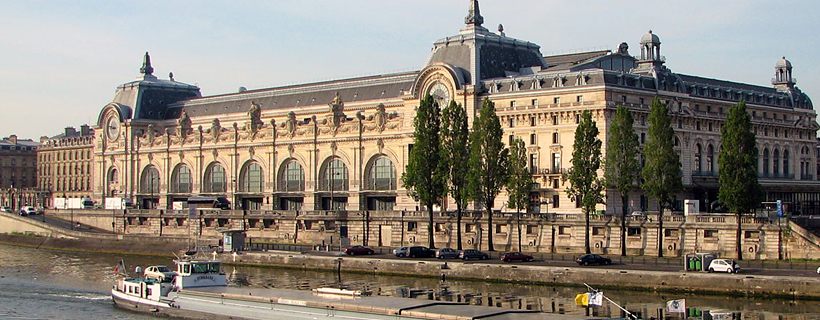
(596, 298)
(120, 267)
(582, 299)
(676, 306)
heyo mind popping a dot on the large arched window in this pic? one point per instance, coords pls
(251, 178)
(776, 162)
(149, 183)
(181, 180)
(786, 162)
(215, 180)
(113, 176)
(382, 175)
(710, 156)
(292, 177)
(765, 162)
(334, 176)
(697, 157)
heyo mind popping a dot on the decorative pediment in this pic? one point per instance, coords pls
(381, 120)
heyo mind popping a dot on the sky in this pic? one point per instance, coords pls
(63, 60)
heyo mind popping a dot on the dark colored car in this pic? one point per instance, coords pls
(516, 256)
(356, 250)
(415, 252)
(447, 253)
(471, 254)
(589, 259)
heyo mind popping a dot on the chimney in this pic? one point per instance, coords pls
(70, 131)
(13, 139)
(84, 130)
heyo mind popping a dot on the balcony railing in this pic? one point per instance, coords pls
(775, 176)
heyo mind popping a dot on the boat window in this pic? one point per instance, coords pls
(186, 268)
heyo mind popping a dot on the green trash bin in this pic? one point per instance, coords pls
(691, 264)
(698, 265)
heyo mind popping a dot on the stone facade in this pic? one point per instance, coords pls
(64, 164)
(18, 172)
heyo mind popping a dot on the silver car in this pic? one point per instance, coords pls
(447, 253)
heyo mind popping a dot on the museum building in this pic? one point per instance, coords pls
(343, 144)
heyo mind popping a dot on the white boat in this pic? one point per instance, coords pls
(200, 291)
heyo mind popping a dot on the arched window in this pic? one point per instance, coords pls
(150, 180)
(252, 178)
(181, 180)
(292, 177)
(697, 157)
(215, 180)
(382, 175)
(113, 176)
(786, 162)
(765, 162)
(334, 176)
(776, 162)
(710, 155)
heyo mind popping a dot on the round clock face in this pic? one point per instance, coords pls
(112, 128)
(440, 93)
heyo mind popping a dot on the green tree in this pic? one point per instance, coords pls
(488, 162)
(662, 163)
(739, 190)
(455, 153)
(519, 182)
(583, 176)
(622, 169)
(425, 175)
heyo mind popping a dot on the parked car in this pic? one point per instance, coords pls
(356, 250)
(414, 252)
(471, 254)
(724, 265)
(589, 259)
(159, 273)
(447, 253)
(5, 209)
(29, 210)
(516, 256)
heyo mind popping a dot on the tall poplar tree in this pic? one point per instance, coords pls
(424, 175)
(583, 176)
(455, 153)
(622, 169)
(488, 162)
(519, 183)
(663, 168)
(739, 190)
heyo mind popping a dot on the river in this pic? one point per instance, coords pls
(45, 284)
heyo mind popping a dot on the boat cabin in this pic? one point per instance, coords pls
(199, 273)
(143, 288)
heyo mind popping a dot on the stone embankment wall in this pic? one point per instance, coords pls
(762, 238)
(662, 281)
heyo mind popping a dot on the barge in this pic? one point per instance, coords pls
(199, 290)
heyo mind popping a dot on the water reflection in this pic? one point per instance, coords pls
(95, 272)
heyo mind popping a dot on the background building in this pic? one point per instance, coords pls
(18, 166)
(64, 165)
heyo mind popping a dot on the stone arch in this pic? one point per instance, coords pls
(252, 177)
(182, 178)
(291, 176)
(380, 173)
(215, 178)
(150, 180)
(334, 175)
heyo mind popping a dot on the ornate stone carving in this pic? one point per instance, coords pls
(254, 121)
(290, 125)
(380, 144)
(381, 120)
(184, 123)
(336, 117)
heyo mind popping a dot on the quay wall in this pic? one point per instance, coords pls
(661, 281)
(762, 238)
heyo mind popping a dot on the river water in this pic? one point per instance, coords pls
(45, 284)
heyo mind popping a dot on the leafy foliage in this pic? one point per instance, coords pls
(519, 183)
(488, 162)
(583, 176)
(622, 169)
(455, 153)
(425, 174)
(739, 189)
(662, 162)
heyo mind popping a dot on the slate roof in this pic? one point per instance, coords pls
(571, 59)
(372, 88)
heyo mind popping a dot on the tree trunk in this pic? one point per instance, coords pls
(489, 228)
(586, 238)
(660, 229)
(431, 237)
(458, 226)
(739, 245)
(624, 199)
(518, 217)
